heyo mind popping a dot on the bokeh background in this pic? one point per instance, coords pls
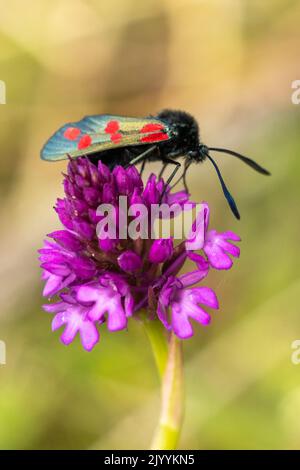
(231, 64)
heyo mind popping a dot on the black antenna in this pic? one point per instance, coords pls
(226, 192)
(246, 160)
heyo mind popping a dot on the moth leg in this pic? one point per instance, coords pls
(162, 170)
(184, 181)
(178, 181)
(183, 177)
(142, 168)
(171, 162)
(142, 156)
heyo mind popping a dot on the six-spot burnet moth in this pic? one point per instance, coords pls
(165, 137)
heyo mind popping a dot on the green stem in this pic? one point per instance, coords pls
(159, 344)
(169, 361)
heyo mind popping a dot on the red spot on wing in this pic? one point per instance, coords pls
(72, 133)
(112, 127)
(116, 138)
(151, 127)
(156, 137)
(84, 142)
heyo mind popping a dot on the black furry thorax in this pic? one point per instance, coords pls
(185, 129)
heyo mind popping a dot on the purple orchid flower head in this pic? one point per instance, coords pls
(93, 282)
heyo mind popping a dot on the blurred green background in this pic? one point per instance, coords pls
(231, 64)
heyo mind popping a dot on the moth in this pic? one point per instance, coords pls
(119, 140)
